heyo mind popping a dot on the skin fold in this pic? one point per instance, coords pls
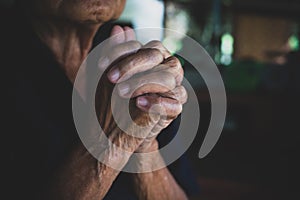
(147, 75)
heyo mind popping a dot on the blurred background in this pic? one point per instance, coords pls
(255, 44)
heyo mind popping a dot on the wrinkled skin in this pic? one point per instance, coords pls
(150, 71)
(79, 11)
(149, 76)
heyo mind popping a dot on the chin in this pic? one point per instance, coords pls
(93, 11)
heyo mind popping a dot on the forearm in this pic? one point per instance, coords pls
(158, 184)
(82, 177)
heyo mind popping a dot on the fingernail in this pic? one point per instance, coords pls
(114, 75)
(142, 101)
(123, 89)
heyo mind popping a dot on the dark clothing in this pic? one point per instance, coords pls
(38, 118)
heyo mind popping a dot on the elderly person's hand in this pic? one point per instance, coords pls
(151, 78)
(146, 76)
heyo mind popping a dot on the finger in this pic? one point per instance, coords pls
(159, 105)
(129, 34)
(172, 65)
(141, 61)
(155, 44)
(155, 82)
(179, 94)
(175, 68)
(117, 36)
(118, 52)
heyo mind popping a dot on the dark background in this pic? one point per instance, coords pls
(258, 152)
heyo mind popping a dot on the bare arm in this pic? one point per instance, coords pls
(159, 184)
(84, 177)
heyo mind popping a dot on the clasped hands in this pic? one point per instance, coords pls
(150, 78)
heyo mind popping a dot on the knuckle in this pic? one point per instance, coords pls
(149, 53)
(153, 54)
(184, 95)
(173, 62)
(154, 43)
(125, 48)
(163, 123)
(179, 109)
(180, 94)
(156, 52)
(176, 110)
(134, 44)
(177, 75)
(177, 93)
(169, 79)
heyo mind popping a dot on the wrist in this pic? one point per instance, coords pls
(148, 145)
(114, 148)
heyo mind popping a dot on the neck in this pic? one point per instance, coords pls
(69, 42)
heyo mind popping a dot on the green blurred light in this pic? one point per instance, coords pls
(294, 42)
(173, 45)
(227, 42)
